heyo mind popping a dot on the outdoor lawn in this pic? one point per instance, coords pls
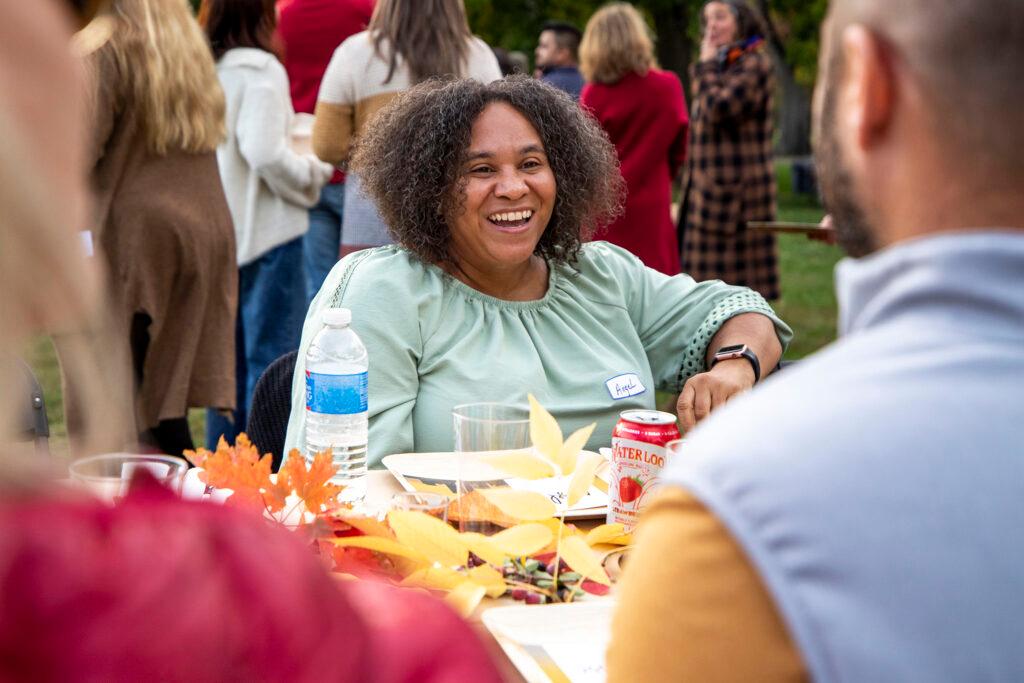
(808, 304)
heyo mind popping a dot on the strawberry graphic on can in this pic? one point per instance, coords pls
(630, 489)
(638, 456)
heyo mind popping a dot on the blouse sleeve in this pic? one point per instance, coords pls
(734, 92)
(334, 125)
(385, 315)
(677, 317)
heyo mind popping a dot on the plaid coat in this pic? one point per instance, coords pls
(730, 175)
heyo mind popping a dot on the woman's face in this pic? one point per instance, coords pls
(720, 24)
(509, 192)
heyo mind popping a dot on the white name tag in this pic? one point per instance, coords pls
(624, 386)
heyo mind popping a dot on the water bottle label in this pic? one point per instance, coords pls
(336, 394)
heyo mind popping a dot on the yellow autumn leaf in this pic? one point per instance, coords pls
(578, 555)
(381, 545)
(490, 578)
(482, 547)
(522, 540)
(545, 434)
(423, 487)
(429, 536)
(571, 448)
(526, 506)
(434, 578)
(605, 533)
(522, 464)
(558, 531)
(583, 477)
(465, 597)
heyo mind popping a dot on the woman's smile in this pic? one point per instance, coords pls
(511, 221)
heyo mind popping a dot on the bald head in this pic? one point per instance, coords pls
(966, 56)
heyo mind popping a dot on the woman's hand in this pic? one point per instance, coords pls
(707, 49)
(710, 390)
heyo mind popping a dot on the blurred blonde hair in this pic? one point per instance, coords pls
(163, 56)
(616, 42)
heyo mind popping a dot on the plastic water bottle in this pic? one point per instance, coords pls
(336, 370)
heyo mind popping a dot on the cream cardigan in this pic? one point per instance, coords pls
(268, 186)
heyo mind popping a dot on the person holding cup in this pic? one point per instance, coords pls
(490, 292)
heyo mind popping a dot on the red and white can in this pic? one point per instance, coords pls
(638, 456)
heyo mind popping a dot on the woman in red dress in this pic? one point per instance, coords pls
(643, 111)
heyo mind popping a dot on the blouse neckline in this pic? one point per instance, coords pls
(471, 293)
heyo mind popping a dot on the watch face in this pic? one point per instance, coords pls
(729, 350)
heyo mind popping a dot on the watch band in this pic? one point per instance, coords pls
(738, 351)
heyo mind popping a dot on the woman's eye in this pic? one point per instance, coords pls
(531, 163)
(480, 169)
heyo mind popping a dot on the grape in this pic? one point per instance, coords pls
(520, 594)
(535, 599)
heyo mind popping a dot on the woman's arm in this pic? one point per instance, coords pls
(262, 142)
(733, 92)
(335, 120)
(709, 390)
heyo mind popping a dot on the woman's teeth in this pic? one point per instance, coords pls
(510, 217)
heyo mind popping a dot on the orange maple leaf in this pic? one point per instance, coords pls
(312, 485)
(241, 469)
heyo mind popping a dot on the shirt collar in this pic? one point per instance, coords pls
(972, 277)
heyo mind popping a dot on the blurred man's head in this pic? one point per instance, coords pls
(917, 118)
(558, 45)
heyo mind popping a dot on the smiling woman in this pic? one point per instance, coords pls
(491, 291)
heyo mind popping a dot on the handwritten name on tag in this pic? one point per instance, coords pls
(624, 386)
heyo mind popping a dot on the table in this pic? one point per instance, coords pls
(381, 485)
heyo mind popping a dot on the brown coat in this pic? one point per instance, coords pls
(731, 179)
(166, 236)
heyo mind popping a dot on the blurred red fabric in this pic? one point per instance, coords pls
(163, 589)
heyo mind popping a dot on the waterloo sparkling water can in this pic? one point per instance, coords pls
(638, 456)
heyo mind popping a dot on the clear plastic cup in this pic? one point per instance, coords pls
(109, 476)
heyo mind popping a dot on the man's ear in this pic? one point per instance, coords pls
(869, 88)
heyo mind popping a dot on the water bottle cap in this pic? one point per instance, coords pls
(337, 317)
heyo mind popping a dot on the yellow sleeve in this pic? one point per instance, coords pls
(692, 608)
(333, 128)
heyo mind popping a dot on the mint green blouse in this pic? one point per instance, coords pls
(608, 332)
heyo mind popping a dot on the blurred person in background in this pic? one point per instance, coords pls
(154, 588)
(269, 188)
(47, 284)
(644, 113)
(557, 56)
(161, 225)
(505, 61)
(408, 41)
(730, 176)
(855, 527)
(310, 31)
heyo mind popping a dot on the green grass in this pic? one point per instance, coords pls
(808, 300)
(808, 304)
